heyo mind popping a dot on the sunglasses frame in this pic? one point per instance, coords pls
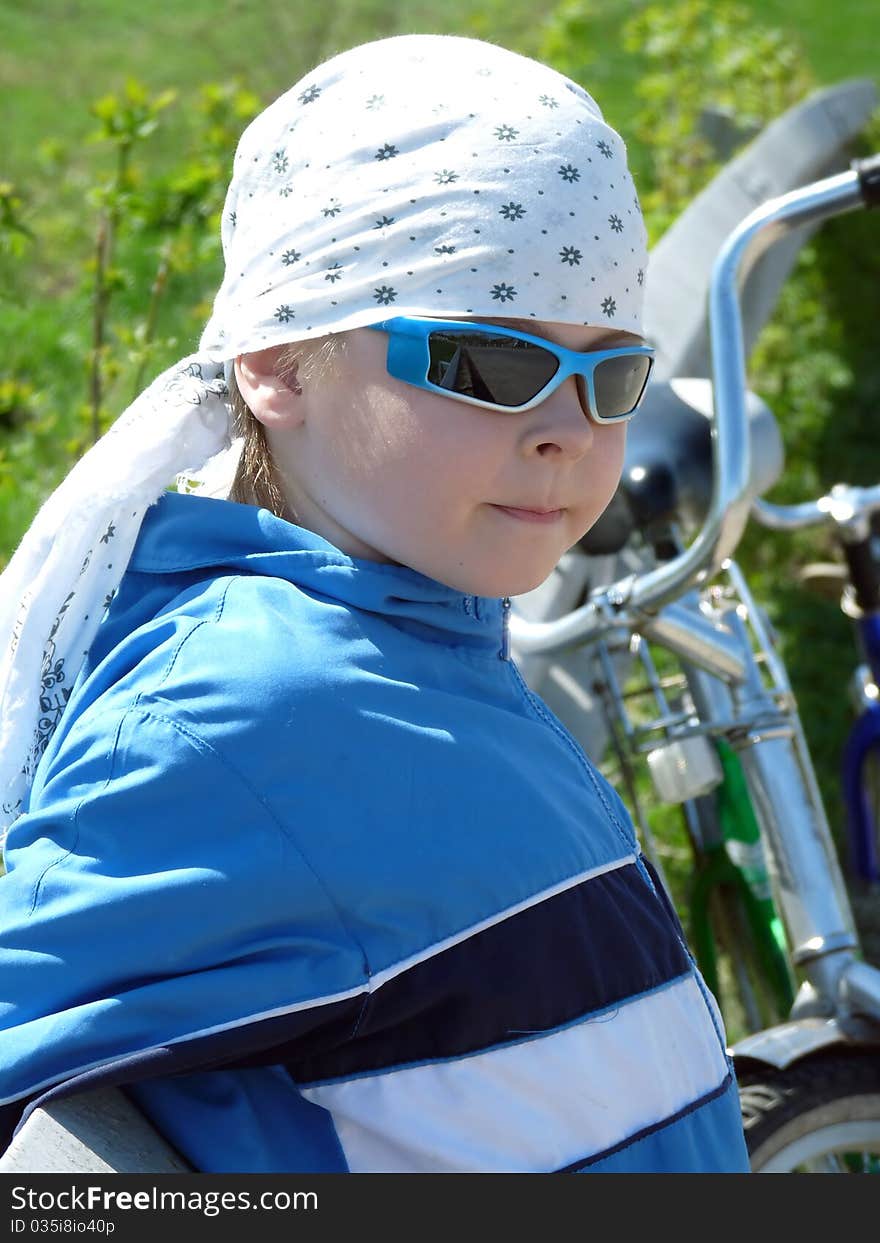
(409, 359)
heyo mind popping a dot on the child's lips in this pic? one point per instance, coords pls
(531, 515)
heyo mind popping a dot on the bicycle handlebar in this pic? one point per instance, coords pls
(620, 604)
(847, 506)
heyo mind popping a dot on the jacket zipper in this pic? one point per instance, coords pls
(505, 629)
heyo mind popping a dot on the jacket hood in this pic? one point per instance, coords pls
(185, 532)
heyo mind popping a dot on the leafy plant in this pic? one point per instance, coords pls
(124, 121)
(120, 300)
(16, 401)
(704, 61)
(14, 233)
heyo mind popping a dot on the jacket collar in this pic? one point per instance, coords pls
(184, 532)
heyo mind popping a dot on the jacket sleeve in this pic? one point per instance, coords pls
(156, 917)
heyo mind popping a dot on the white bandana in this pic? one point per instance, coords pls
(418, 175)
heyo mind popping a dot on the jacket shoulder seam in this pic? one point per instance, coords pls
(204, 621)
(148, 711)
(64, 854)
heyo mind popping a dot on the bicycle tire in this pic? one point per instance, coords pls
(749, 999)
(736, 950)
(820, 1115)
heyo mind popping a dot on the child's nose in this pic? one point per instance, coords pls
(559, 425)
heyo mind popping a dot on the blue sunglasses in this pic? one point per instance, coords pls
(504, 369)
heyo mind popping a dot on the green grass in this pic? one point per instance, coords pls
(57, 56)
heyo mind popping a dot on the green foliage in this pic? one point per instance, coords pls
(709, 70)
(155, 237)
(568, 41)
(126, 120)
(130, 117)
(14, 233)
(122, 297)
(16, 401)
(189, 195)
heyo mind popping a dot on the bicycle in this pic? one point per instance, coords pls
(810, 1086)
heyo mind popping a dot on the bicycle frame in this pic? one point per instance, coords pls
(862, 743)
(761, 723)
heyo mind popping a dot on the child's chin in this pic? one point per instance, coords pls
(496, 581)
(517, 584)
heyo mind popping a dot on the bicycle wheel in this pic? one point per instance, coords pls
(818, 1116)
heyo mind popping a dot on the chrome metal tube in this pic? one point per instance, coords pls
(803, 865)
(711, 697)
(860, 989)
(845, 505)
(590, 621)
(695, 639)
(786, 517)
(775, 664)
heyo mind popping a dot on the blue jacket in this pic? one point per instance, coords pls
(309, 869)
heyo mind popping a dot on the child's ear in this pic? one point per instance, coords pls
(270, 396)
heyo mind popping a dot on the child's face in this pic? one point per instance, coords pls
(389, 472)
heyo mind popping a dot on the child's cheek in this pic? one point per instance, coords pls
(608, 456)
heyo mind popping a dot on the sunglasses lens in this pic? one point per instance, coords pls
(619, 383)
(500, 370)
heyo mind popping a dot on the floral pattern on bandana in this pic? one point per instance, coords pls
(371, 185)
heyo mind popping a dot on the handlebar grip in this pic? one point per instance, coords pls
(868, 171)
(864, 573)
